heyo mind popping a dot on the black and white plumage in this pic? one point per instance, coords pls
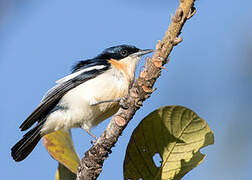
(74, 100)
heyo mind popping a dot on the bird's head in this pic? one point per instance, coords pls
(123, 51)
(125, 54)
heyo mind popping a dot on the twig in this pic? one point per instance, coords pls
(91, 164)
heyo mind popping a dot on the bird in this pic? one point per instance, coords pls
(84, 98)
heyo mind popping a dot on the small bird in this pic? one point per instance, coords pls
(85, 98)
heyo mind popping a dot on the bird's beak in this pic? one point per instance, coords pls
(142, 52)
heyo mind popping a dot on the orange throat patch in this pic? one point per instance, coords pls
(120, 66)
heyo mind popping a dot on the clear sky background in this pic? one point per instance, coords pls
(210, 72)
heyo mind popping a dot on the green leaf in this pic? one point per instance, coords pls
(176, 134)
(64, 173)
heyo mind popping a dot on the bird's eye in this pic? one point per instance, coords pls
(124, 53)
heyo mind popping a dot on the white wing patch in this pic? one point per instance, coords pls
(66, 78)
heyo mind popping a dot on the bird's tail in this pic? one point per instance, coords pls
(25, 146)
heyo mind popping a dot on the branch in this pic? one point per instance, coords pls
(91, 165)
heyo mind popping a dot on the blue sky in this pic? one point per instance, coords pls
(209, 72)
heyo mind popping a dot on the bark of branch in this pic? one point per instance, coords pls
(91, 165)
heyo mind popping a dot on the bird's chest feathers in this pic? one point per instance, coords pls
(107, 86)
(111, 85)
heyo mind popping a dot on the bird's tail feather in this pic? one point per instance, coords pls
(25, 146)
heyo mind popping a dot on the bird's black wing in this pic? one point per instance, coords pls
(89, 70)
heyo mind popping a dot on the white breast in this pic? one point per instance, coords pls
(77, 102)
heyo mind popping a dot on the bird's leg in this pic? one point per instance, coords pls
(89, 132)
(106, 101)
(120, 100)
(87, 129)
